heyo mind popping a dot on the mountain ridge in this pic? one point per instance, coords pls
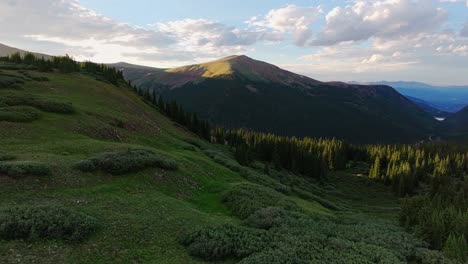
(7, 50)
(240, 92)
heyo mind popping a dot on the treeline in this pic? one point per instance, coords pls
(432, 177)
(307, 156)
(406, 166)
(177, 113)
(65, 64)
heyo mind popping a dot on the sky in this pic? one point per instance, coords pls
(335, 40)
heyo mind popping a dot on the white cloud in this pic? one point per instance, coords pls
(73, 29)
(383, 19)
(211, 36)
(290, 18)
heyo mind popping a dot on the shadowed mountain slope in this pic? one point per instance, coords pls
(238, 91)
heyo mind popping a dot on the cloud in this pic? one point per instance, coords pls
(383, 19)
(290, 18)
(207, 33)
(71, 28)
(464, 31)
(438, 57)
(455, 1)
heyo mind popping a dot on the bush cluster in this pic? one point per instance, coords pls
(34, 77)
(244, 199)
(5, 156)
(10, 82)
(224, 241)
(19, 114)
(24, 168)
(276, 230)
(44, 105)
(247, 173)
(44, 222)
(126, 161)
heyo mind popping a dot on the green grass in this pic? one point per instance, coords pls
(142, 213)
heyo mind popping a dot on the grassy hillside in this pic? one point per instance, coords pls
(239, 92)
(150, 184)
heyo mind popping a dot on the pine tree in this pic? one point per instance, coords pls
(456, 247)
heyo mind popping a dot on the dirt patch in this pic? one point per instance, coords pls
(101, 132)
(184, 186)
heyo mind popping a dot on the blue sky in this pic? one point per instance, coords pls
(360, 40)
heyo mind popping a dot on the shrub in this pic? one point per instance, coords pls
(5, 156)
(270, 217)
(44, 105)
(19, 114)
(124, 162)
(44, 222)
(244, 199)
(224, 241)
(85, 165)
(23, 168)
(279, 256)
(10, 81)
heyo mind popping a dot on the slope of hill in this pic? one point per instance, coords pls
(430, 108)
(456, 126)
(7, 50)
(238, 91)
(140, 186)
(445, 98)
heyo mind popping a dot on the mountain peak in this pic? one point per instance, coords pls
(239, 66)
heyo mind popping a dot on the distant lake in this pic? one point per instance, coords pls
(440, 118)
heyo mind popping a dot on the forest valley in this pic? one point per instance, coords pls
(430, 178)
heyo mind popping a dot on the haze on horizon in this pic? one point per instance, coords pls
(360, 40)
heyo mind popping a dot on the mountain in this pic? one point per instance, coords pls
(445, 98)
(240, 92)
(430, 108)
(90, 172)
(456, 126)
(7, 50)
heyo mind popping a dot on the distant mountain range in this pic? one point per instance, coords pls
(445, 98)
(238, 91)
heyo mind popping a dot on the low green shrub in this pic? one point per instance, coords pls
(44, 222)
(44, 105)
(85, 165)
(10, 82)
(15, 66)
(24, 168)
(34, 77)
(126, 161)
(5, 156)
(19, 114)
(244, 199)
(224, 241)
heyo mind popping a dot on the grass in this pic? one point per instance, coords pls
(142, 213)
